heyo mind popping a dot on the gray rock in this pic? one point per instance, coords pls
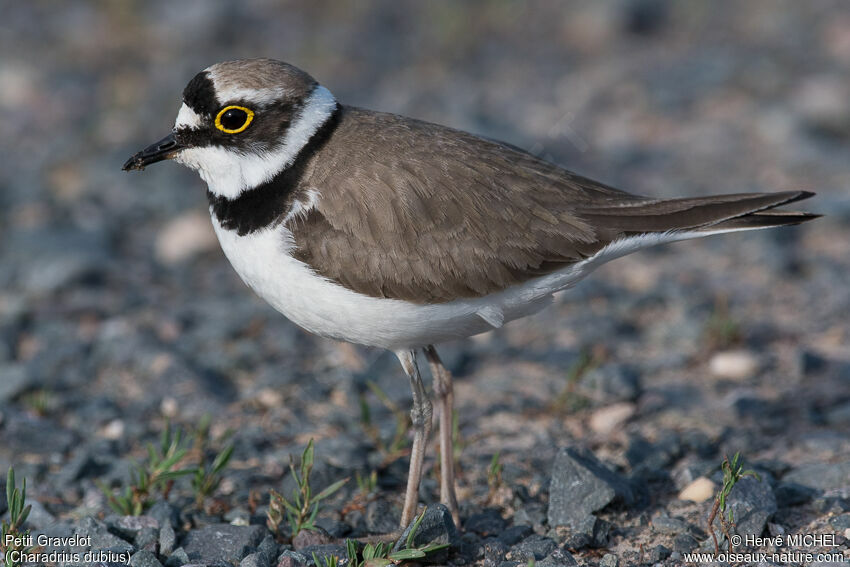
(840, 523)
(269, 548)
(101, 538)
(657, 554)
(14, 380)
(39, 518)
(581, 485)
(559, 558)
(515, 534)
(494, 552)
(436, 528)
(533, 514)
(381, 518)
(609, 560)
(752, 504)
(254, 560)
(534, 547)
(309, 538)
(820, 476)
(289, 558)
(221, 543)
(164, 513)
(684, 543)
(487, 523)
(167, 540)
(792, 494)
(612, 382)
(589, 532)
(129, 527)
(669, 525)
(177, 559)
(144, 558)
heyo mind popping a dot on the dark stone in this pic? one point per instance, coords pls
(558, 558)
(308, 538)
(820, 476)
(646, 17)
(144, 558)
(668, 525)
(100, 536)
(323, 552)
(684, 543)
(652, 460)
(255, 560)
(128, 527)
(164, 513)
(752, 504)
(177, 559)
(269, 548)
(222, 543)
(494, 552)
(515, 534)
(790, 494)
(581, 485)
(612, 382)
(436, 528)
(533, 547)
(487, 523)
(289, 558)
(657, 554)
(381, 518)
(840, 523)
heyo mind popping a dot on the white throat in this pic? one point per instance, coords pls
(228, 172)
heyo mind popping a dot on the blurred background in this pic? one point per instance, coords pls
(118, 310)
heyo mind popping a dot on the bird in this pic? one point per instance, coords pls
(390, 232)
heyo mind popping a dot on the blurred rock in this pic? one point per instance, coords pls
(820, 476)
(14, 380)
(608, 419)
(533, 548)
(700, 490)
(184, 237)
(612, 382)
(734, 364)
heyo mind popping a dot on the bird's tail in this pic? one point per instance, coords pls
(707, 215)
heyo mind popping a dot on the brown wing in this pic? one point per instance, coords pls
(420, 212)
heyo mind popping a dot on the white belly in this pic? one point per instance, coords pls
(263, 261)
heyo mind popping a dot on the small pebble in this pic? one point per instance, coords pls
(699, 490)
(734, 364)
(608, 419)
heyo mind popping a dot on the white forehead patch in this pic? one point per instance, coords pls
(187, 118)
(228, 173)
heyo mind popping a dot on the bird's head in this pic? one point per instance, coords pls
(241, 123)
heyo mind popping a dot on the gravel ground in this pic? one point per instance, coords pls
(610, 411)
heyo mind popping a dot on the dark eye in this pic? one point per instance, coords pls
(233, 119)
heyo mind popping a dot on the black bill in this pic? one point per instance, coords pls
(158, 151)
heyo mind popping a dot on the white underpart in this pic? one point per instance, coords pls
(264, 262)
(228, 172)
(187, 118)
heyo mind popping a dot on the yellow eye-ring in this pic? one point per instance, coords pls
(233, 119)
